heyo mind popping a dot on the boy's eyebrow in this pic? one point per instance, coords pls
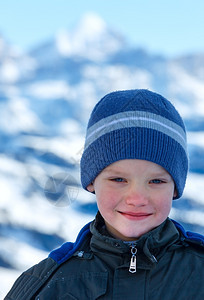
(152, 174)
(111, 170)
(160, 174)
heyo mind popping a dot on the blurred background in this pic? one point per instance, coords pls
(57, 59)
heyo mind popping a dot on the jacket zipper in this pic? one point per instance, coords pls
(133, 260)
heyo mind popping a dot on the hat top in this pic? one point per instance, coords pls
(134, 100)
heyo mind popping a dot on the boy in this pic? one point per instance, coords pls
(135, 160)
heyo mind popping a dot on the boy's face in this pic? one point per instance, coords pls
(133, 196)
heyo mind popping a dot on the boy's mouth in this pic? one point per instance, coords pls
(135, 216)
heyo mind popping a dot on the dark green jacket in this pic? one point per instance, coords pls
(170, 266)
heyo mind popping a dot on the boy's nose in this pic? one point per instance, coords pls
(136, 195)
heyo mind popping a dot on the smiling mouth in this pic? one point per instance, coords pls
(135, 216)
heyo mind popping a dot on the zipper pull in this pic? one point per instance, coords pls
(132, 268)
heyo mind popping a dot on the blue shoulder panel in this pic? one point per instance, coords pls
(61, 254)
(189, 235)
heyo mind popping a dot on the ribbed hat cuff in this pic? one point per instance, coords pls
(135, 143)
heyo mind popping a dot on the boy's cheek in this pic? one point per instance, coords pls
(110, 203)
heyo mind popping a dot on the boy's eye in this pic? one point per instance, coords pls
(157, 181)
(118, 179)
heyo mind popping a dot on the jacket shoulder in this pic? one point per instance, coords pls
(31, 280)
(190, 237)
(63, 253)
(29, 283)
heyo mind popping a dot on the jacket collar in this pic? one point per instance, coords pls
(63, 253)
(165, 234)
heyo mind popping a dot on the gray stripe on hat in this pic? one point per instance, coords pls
(129, 119)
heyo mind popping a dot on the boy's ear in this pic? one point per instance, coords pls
(90, 188)
(175, 192)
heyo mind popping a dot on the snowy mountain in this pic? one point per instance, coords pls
(45, 100)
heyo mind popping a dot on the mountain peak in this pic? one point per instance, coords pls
(91, 39)
(91, 25)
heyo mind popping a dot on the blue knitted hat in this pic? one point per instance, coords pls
(135, 124)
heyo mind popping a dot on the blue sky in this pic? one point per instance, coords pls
(166, 27)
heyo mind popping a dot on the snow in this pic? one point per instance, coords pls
(63, 43)
(91, 39)
(91, 26)
(50, 89)
(191, 88)
(9, 71)
(112, 77)
(196, 138)
(68, 147)
(192, 217)
(194, 188)
(17, 116)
